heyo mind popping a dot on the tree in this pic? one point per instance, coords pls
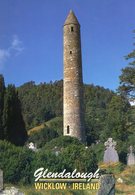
(127, 78)
(41, 102)
(96, 100)
(117, 122)
(14, 127)
(2, 91)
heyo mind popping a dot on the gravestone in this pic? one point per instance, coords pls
(11, 191)
(1, 180)
(107, 185)
(110, 154)
(131, 157)
(57, 150)
(32, 146)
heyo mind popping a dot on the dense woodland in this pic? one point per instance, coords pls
(107, 114)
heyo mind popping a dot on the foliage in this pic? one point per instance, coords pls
(99, 151)
(131, 139)
(127, 89)
(117, 119)
(42, 137)
(30, 190)
(111, 168)
(48, 160)
(13, 124)
(41, 102)
(96, 100)
(16, 162)
(62, 142)
(79, 157)
(57, 124)
(2, 92)
(106, 115)
(127, 78)
(122, 148)
(19, 163)
(69, 158)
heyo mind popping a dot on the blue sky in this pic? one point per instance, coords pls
(31, 39)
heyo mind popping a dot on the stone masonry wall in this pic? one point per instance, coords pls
(73, 83)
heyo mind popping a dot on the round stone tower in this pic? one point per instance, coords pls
(73, 81)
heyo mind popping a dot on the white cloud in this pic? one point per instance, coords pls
(4, 54)
(14, 49)
(16, 45)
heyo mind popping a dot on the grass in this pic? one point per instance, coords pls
(31, 191)
(36, 129)
(127, 187)
(45, 124)
(126, 173)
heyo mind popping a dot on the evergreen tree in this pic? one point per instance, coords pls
(2, 91)
(14, 126)
(127, 78)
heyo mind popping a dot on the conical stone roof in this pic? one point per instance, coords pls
(71, 19)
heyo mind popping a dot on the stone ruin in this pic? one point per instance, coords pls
(8, 190)
(1, 180)
(131, 157)
(107, 181)
(32, 147)
(110, 154)
(11, 191)
(107, 185)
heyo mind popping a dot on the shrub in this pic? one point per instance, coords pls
(56, 124)
(16, 162)
(43, 136)
(79, 157)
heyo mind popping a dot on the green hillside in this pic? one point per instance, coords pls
(107, 114)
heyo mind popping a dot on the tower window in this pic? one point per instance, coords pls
(70, 52)
(72, 29)
(68, 131)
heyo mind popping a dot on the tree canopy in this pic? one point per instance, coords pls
(127, 78)
(2, 92)
(12, 126)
